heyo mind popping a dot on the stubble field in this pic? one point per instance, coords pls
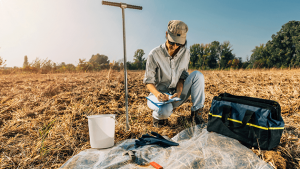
(43, 116)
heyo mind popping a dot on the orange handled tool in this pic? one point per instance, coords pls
(157, 166)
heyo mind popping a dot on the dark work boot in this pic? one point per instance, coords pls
(196, 116)
(159, 123)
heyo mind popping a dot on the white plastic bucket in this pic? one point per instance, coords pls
(102, 130)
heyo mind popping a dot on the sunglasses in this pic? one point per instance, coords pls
(173, 43)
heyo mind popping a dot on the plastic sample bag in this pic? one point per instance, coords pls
(197, 148)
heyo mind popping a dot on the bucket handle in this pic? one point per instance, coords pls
(114, 117)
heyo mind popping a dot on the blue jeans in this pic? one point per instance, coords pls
(194, 86)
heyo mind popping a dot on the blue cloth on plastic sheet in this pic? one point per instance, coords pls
(197, 148)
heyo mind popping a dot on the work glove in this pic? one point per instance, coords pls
(159, 140)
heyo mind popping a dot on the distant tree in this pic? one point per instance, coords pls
(284, 48)
(62, 64)
(234, 63)
(47, 64)
(212, 59)
(83, 65)
(99, 59)
(200, 59)
(25, 64)
(194, 52)
(2, 62)
(121, 65)
(226, 54)
(240, 64)
(204, 55)
(130, 65)
(212, 55)
(115, 65)
(54, 67)
(139, 59)
(259, 57)
(70, 67)
(246, 64)
(218, 47)
(229, 63)
(36, 63)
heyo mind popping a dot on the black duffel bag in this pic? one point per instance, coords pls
(254, 122)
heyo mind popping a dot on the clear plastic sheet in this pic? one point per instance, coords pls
(197, 148)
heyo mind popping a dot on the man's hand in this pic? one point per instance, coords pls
(175, 95)
(162, 97)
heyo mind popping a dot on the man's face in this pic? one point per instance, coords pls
(172, 49)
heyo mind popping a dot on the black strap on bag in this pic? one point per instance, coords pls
(249, 117)
(227, 113)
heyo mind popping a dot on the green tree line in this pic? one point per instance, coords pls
(95, 63)
(282, 51)
(214, 55)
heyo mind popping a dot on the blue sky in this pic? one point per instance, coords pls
(69, 30)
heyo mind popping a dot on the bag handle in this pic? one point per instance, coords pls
(275, 104)
(226, 114)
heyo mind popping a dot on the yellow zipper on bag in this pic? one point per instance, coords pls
(249, 124)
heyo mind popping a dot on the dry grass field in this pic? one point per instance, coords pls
(43, 116)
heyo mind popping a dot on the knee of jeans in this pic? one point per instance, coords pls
(152, 106)
(165, 111)
(198, 74)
